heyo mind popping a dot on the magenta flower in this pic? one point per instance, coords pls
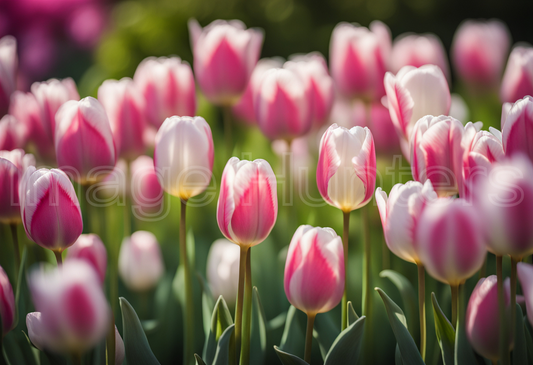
(146, 191)
(7, 303)
(89, 247)
(8, 71)
(12, 133)
(525, 275)
(517, 128)
(517, 80)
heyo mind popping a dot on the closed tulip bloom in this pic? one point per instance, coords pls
(437, 153)
(83, 140)
(124, 106)
(8, 71)
(400, 213)
(113, 186)
(517, 131)
(282, 104)
(517, 79)
(450, 240)
(7, 303)
(139, 263)
(223, 270)
(50, 209)
(482, 325)
(314, 270)
(525, 275)
(12, 133)
(479, 50)
(247, 206)
(89, 247)
(346, 172)
(225, 54)
(74, 313)
(146, 191)
(167, 85)
(183, 156)
(358, 59)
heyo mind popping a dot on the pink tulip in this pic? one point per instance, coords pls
(74, 313)
(146, 191)
(7, 303)
(282, 104)
(358, 59)
(482, 325)
(225, 54)
(346, 172)
(479, 50)
(12, 133)
(517, 130)
(140, 264)
(314, 270)
(8, 71)
(400, 213)
(50, 209)
(525, 275)
(183, 156)
(223, 270)
(83, 140)
(167, 85)
(124, 106)
(248, 202)
(450, 240)
(89, 247)
(414, 93)
(301, 158)
(517, 79)
(437, 153)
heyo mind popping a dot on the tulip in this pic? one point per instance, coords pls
(183, 156)
(223, 270)
(437, 153)
(50, 209)
(525, 275)
(414, 93)
(479, 50)
(74, 314)
(12, 133)
(482, 326)
(7, 304)
(124, 106)
(517, 79)
(114, 187)
(517, 128)
(146, 192)
(167, 85)
(8, 71)
(89, 247)
(83, 140)
(225, 54)
(358, 59)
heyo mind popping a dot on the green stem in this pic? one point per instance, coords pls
(287, 194)
(247, 317)
(76, 359)
(240, 300)
(309, 337)
(228, 130)
(127, 202)
(345, 236)
(514, 262)
(455, 294)
(483, 270)
(367, 299)
(503, 345)
(16, 248)
(422, 309)
(59, 258)
(188, 313)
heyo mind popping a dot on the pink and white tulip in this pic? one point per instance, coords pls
(12, 133)
(146, 191)
(8, 71)
(83, 141)
(89, 247)
(346, 172)
(517, 130)
(140, 264)
(400, 213)
(314, 270)
(168, 88)
(525, 275)
(50, 209)
(223, 270)
(517, 79)
(248, 202)
(7, 304)
(225, 54)
(183, 156)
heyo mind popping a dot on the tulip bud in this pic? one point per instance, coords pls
(167, 85)
(50, 209)
(120, 351)
(83, 141)
(450, 240)
(525, 275)
(225, 54)
(7, 303)
(74, 313)
(314, 270)
(247, 206)
(89, 247)
(358, 59)
(346, 172)
(139, 263)
(517, 79)
(223, 270)
(8, 71)
(437, 153)
(146, 192)
(479, 50)
(113, 186)
(124, 107)
(482, 324)
(183, 156)
(400, 214)
(12, 133)
(518, 128)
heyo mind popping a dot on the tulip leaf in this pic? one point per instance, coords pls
(408, 294)
(398, 356)
(277, 322)
(352, 315)
(207, 304)
(199, 360)
(347, 346)
(520, 346)
(21, 289)
(258, 340)
(223, 347)
(445, 333)
(325, 332)
(529, 340)
(406, 344)
(220, 321)
(292, 340)
(138, 351)
(288, 359)
(464, 355)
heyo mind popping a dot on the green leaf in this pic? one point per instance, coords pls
(138, 350)
(398, 356)
(277, 322)
(325, 333)
(288, 359)
(352, 315)
(21, 289)
(529, 340)
(258, 341)
(347, 346)
(408, 294)
(220, 321)
(406, 344)
(292, 340)
(520, 346)
(445, 333)
(464, 355)
(207, 304)
(223, 347)
(199, 360)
